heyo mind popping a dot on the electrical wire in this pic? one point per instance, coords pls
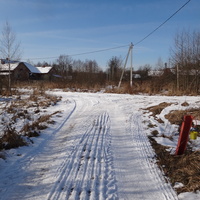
(89, 52)
(108, 49)
(162, 24)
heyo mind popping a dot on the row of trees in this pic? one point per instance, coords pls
(180, 75)
(186, 60)
(183, 75)
(87, 73)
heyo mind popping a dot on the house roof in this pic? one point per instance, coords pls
(5, 67)
(32, 69)
(44, 69)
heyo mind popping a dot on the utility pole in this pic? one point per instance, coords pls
(177, 77)
(131, 70)
(129, 50)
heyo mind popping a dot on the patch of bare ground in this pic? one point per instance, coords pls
(183, 169)
(158, 108)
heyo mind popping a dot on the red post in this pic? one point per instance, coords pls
(184, 134)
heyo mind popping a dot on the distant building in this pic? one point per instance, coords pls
(137, 76)
(45, 73)
(24, 71)
(157, 73)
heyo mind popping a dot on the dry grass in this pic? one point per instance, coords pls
(158, 108)
(155, 133)
(22, 109)
(42, 99)
(2, 156)
(11, 139)
(176, 116)
(124, 89)
(33, 129)
(185, 104)
(184, 169)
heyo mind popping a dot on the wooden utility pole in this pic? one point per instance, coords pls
(129, 50)
(131, 70)
(177, 77)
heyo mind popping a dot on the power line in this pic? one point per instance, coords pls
(108, 49)
(89, 52)
(162, 23)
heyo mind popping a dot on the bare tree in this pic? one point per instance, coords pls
(9, 48)
(114, 68)
(91, 66)
(64, 65)
(186, 60)
(78, 65)
(160, 64)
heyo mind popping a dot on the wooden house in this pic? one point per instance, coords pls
(23, 71)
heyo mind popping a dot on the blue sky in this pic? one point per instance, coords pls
(49, 28)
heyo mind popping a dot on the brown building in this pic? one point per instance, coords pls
(24, 71)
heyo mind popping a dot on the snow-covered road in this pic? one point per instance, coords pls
(98, 149)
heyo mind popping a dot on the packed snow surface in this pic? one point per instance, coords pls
(97, 149)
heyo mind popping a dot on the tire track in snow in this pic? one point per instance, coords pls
(88, 172)
(144, 148)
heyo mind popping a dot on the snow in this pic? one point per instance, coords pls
(165, 142)
(189, 196)
(4, 67)
(45, 69)
(97, 149)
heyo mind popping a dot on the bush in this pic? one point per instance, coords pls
(11, 139)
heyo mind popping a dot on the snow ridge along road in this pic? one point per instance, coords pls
(146, 152)
(99, 151)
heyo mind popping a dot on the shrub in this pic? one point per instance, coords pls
(11, 139)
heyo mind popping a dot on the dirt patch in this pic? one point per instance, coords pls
(185, 104)
(183, 169)
(158, 108)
